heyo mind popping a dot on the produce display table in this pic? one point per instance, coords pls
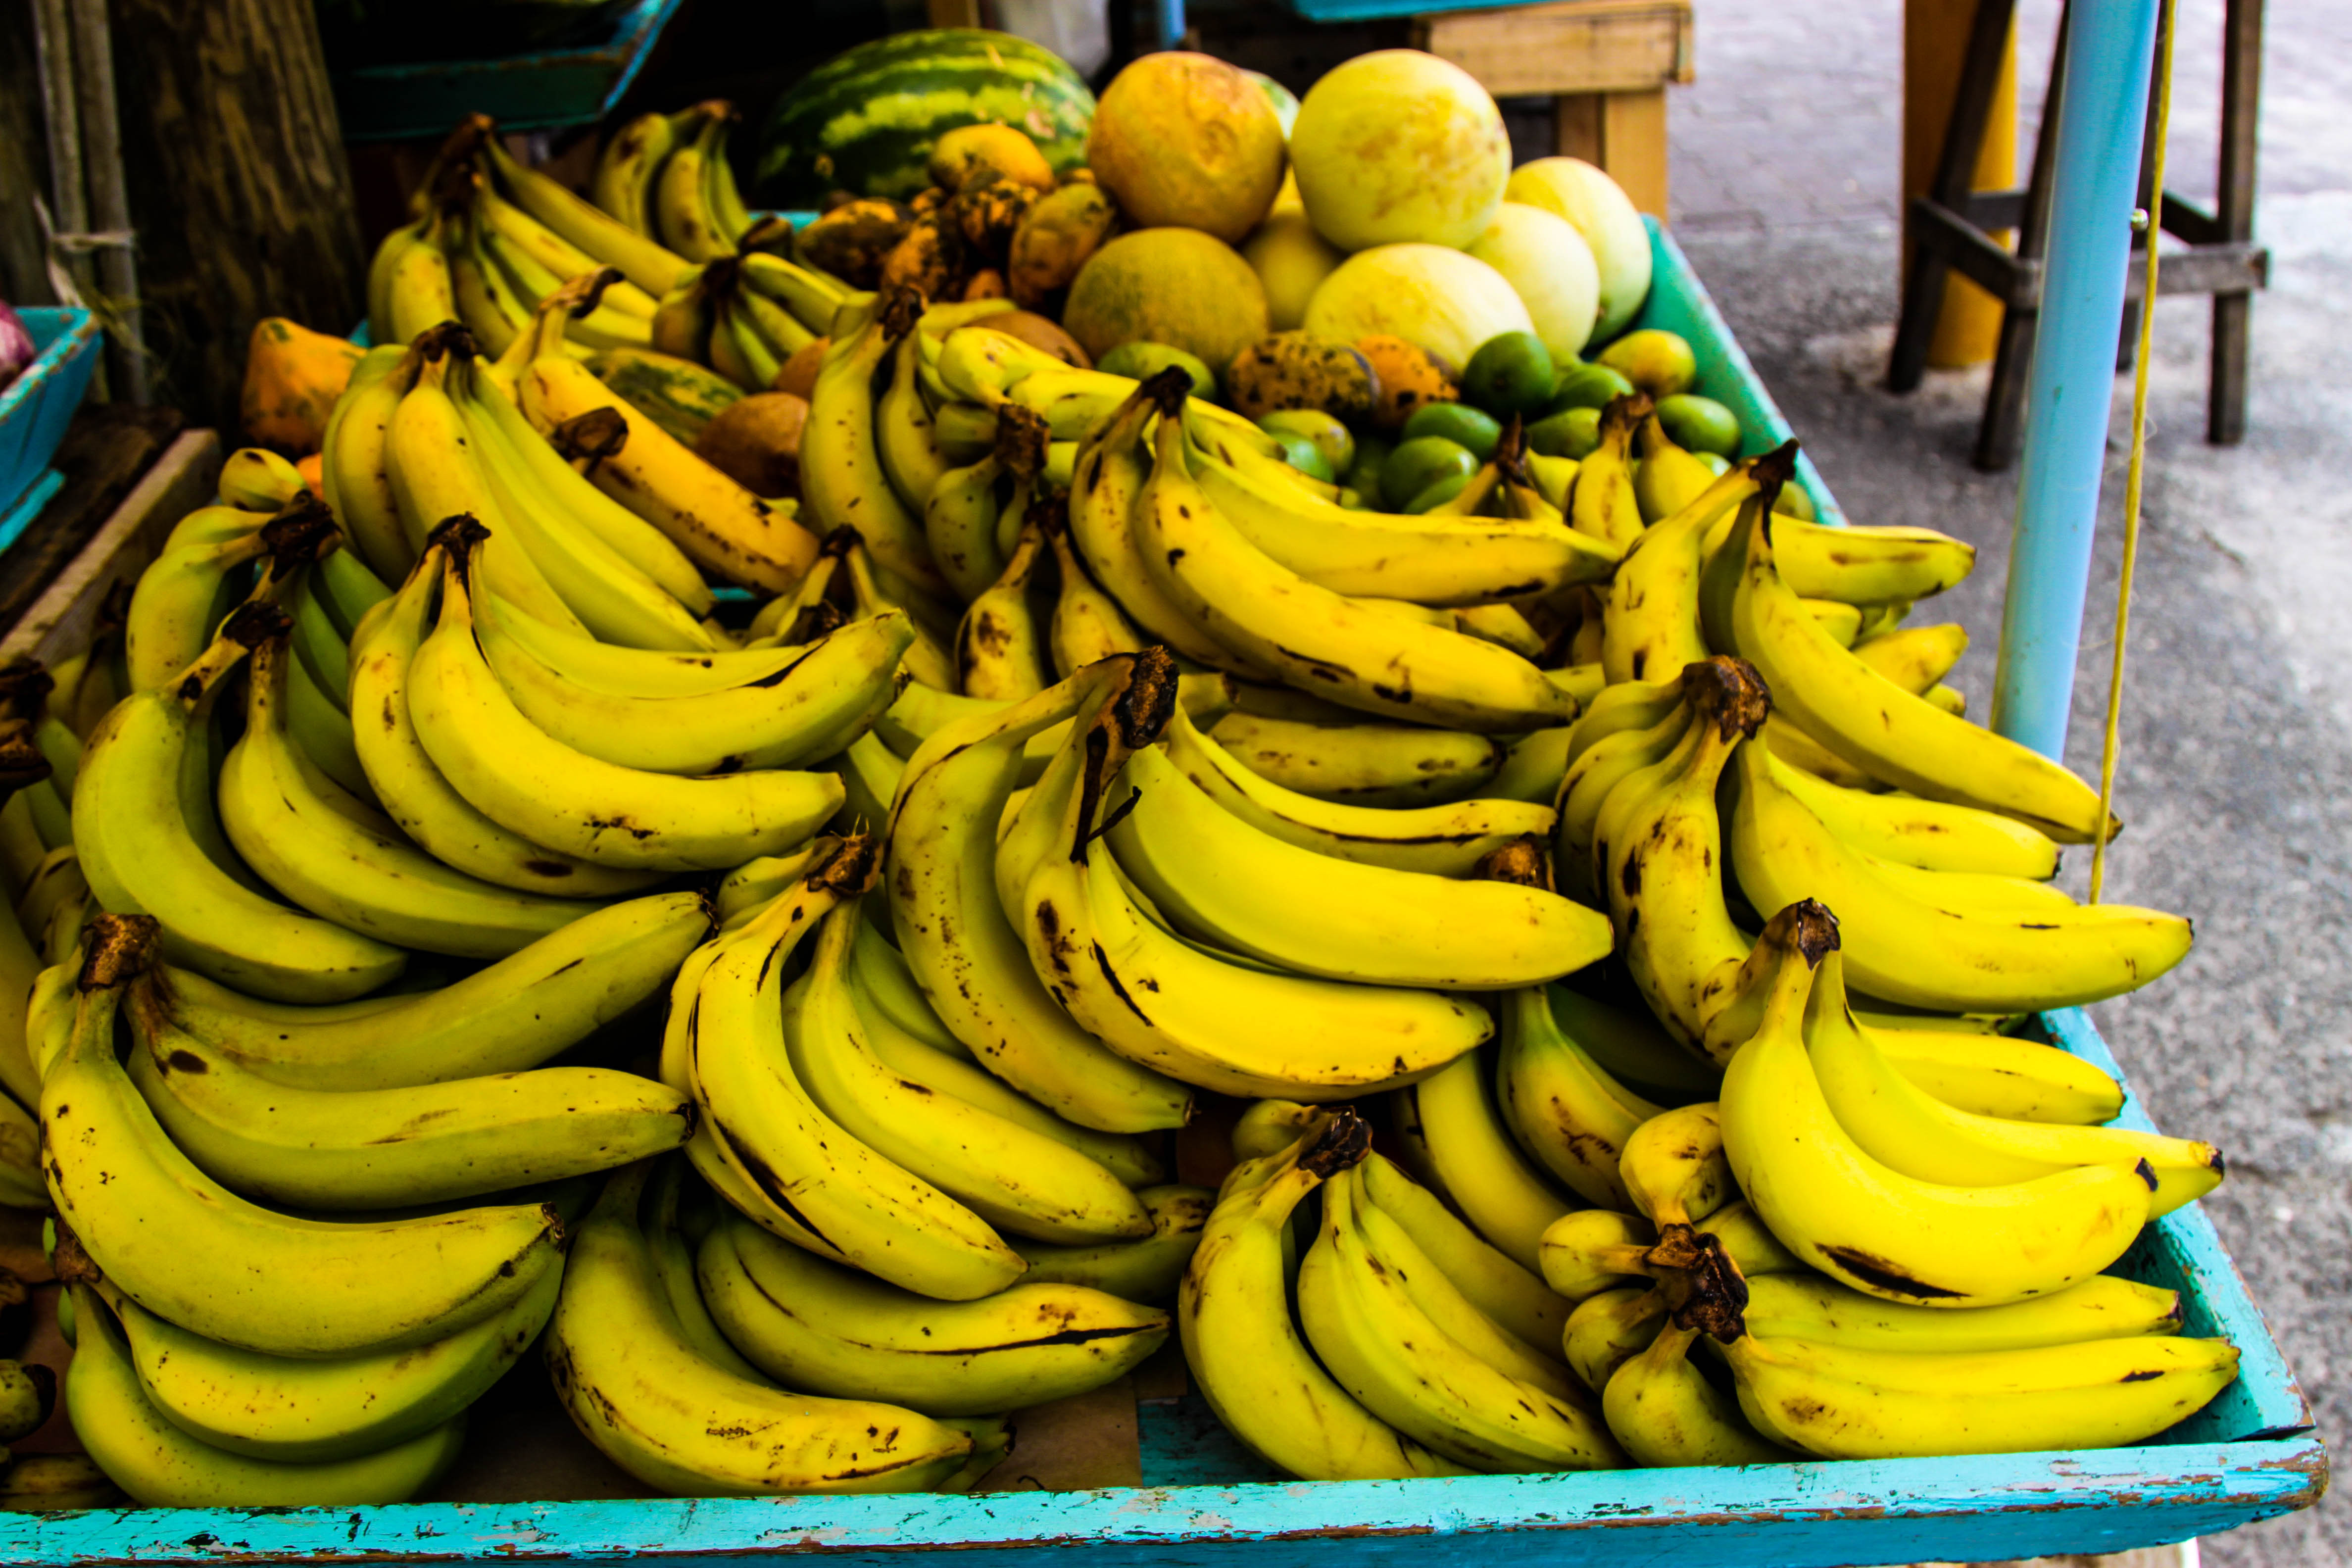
(2249, 1455)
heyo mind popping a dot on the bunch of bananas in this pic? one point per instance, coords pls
(666, 177)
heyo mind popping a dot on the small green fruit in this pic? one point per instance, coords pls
(1655, 361)
(1471, 428)
(1336, 443)
(1304, 456)
(1141, 360)
(1587, 386)
(1571, 432)
(1419, 463)
(1438, 494)
(1698, 424)
(1510, 373)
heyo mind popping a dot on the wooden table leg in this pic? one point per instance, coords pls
(1621, 132)
(2241, 98)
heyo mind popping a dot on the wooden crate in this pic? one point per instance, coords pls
(1605, 64)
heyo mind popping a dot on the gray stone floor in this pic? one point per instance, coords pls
(2237, 740)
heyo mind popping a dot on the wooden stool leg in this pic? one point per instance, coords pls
(1923, 289)
(2004, 416)
(2241, 99)
(1915, 329)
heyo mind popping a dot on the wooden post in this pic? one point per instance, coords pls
(239, 190)
(1935, 40)
(1621, 132)
(1604, 64)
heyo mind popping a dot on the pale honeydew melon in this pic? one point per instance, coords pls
(1292, 260)
(1444, 301)
(1602, 213)
(1398, 146)
(1544, 258)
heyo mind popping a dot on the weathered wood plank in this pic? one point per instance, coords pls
(238, 186)
(1577, 45)
(59, 624)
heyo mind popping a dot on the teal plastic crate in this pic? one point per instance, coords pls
(38, 406)
(548, 90)
(2249, 1455)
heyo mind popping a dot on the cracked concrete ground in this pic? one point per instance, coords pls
(2237, 734)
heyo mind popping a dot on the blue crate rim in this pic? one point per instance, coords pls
(624, 55)
(81, 330)
(38, 406)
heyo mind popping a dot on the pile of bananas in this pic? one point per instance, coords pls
(698, 279)
(778, 1010)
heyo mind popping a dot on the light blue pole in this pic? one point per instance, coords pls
(1169, 18)
(2101, 114)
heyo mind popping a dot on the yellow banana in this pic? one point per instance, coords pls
(842, 473)
(1874, 1228)
(1440, 840)
(964, 954)
(815, 1325)
(1908, 1130)
(517, 776)
(1658, 851)
(637, 1388)
(1234, 1313)
(160, 1466)
(1463, 1150)
(1915, 943)
(1878, 727)
(1604, 504)
(1836, 1402)
(1001, 648)
(190, 1251)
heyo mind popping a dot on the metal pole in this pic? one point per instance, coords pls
(1168, 22)
(109, 202)
(2097, 155)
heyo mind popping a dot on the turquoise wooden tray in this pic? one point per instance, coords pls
(2249, 1455)
(545, 91)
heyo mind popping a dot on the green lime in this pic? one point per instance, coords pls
(1571, 432)
(1586, 387)
(1140, 360)
(1796, 503)
(1304, 456)
(1363, 475)
(1698, 424)
(1658, 362)
(1718, 466)
(1420, 463)
(1332, 438)
(1465, 427)
(1511, 373)
(1437, 494)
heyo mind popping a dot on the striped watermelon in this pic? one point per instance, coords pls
(864, 120)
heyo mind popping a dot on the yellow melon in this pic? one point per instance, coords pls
(1186, 141)
(1174, 286)
(1398, 146)
(1444, 301)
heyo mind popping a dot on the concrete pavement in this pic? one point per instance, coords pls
(2236, 772)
